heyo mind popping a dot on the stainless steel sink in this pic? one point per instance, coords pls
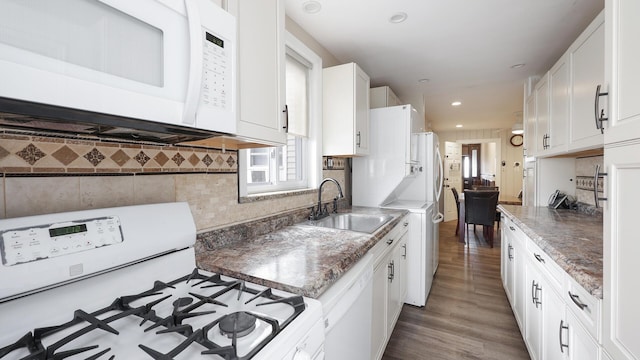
(365, 223)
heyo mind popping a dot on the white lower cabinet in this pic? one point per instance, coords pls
(533, 312)
(389, 286)
(513, 270)
(559, 319)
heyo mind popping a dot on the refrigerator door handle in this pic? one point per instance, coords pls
(438, 218)
(441, 173)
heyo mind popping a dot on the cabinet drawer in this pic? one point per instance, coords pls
(383, 246)
(584, 306)
(514, 230)
(544, 261)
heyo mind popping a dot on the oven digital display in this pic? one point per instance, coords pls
(68, 230)
(214, 39)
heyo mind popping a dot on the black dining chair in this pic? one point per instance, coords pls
(493, 188)
(457, 199)
(480, 209)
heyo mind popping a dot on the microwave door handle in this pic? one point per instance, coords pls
(192, 97)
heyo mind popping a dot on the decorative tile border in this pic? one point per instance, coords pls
(586, 183)
(333, 163)
(37, 154)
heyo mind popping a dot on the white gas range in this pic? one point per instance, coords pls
(121, 283)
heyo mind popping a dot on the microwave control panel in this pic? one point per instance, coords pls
(35, 243)
(217, 71)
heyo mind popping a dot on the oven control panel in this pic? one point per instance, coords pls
(35, 243)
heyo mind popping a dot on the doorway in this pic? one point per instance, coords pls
(471, 165)
(487, 155)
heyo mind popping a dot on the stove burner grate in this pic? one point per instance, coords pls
(233, 326)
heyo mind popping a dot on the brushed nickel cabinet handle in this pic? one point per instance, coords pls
(576, 300)
(562, 327)
(596, 176)
(599, 113)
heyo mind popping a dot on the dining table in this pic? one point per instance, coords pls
(502, 199)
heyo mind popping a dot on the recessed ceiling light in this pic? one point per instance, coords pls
(517, 66)
(423, 81)
(459, 125)
(398, 18)
(456, 103)
(311, 7)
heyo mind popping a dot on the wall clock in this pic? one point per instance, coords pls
(516, 140)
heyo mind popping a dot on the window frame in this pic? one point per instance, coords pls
(311, 157)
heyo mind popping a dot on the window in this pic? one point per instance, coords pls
(295, 165)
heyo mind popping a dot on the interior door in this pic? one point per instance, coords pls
(452, 178)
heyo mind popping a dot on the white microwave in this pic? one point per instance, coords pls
(170, 62)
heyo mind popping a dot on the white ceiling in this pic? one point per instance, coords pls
(464, 47)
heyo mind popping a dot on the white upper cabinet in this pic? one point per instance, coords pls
(345, 119)
(261, 54)
(383, 96)
(542, 114)
(559, 86)
(622, 70)
(559, 113)
(587, 73)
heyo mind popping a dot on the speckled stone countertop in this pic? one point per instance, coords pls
(571, 238)
(301, 259)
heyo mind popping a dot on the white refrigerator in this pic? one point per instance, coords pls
(404, 171)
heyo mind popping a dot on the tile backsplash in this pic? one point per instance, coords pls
(585, 170)
(52, 174)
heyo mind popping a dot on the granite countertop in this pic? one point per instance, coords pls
(571, 238)
(301, 259)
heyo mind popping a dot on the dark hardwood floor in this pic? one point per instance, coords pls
(467, 315)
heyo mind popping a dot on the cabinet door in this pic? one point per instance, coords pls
(361, 95)
(397, 266)
(622, 70)
(533, 312)
(542, 114)
(519, 282)
(558, 106)
(621, 314)
(555, 329)
(379, 313)
(345, 104)
(581, 346)
(260, 69)
(587, 72)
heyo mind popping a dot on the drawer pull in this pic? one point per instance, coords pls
(406, 224)
(576, 300)
(512, 228)
(390, 241)
(534, 293)
(509, 252)
(405, 251)
(539, 258)
(562, 327)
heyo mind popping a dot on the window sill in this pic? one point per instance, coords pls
(274, 195)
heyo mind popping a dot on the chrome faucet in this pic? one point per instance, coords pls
(321, 212)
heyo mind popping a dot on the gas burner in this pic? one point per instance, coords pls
(239, 324)
(182, 302)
